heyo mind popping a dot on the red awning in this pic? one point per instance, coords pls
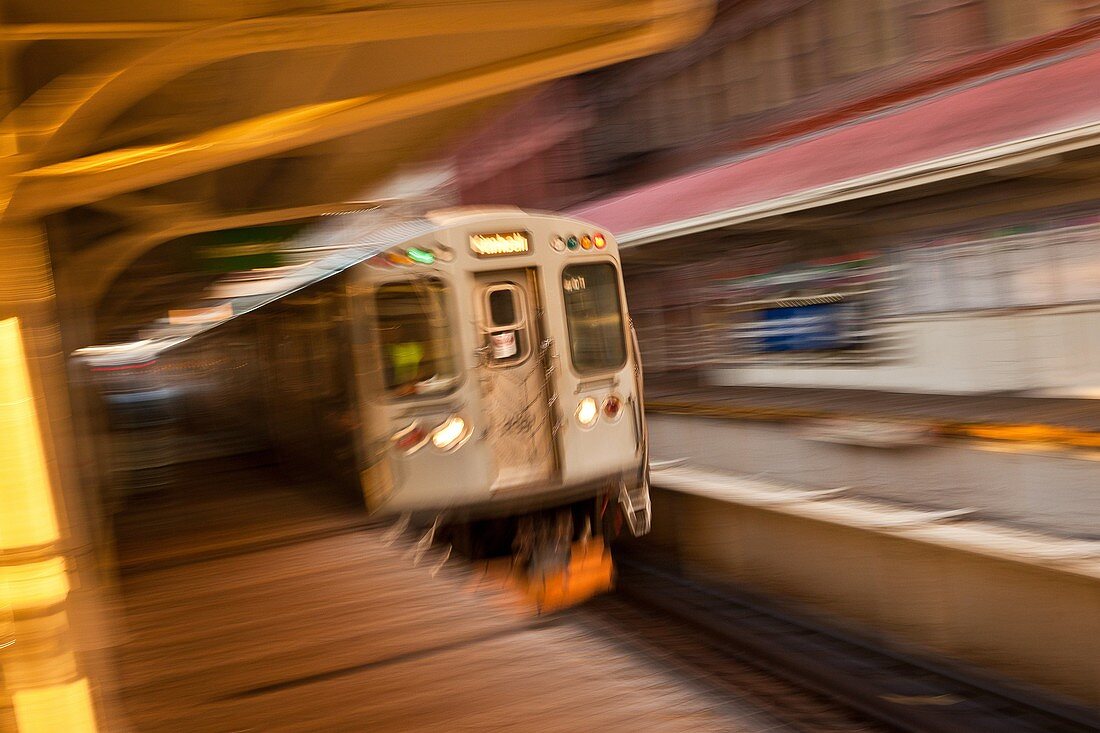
(988, 124)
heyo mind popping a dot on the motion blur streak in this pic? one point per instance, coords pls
(115, 111)
(323, 328)
(61, 707)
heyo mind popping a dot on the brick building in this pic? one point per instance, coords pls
(839, 192)
(765, 70)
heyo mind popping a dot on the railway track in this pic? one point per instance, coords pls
(809, 677)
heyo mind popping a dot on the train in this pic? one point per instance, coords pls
(470, 367)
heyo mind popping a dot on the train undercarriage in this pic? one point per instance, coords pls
(553, 558)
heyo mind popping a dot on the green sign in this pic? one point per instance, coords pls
(248, 248)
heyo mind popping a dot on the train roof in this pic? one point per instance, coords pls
(324, 251)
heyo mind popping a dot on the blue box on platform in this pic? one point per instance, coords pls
(805, 328)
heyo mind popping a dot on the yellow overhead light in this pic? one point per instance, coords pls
(28, 518)
(62, 707)
(35, 584)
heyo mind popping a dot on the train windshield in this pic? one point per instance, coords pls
(415, 337)
(593, 311)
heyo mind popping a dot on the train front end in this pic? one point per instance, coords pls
(511, 382)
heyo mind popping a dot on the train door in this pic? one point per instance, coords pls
(515, 391)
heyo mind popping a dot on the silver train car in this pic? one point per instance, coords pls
(474, 365)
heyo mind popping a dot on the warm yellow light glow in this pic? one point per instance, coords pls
(27, 518)
(587, 412)
(108, 161)
(35, 585)
(449, 435)
(66, 707)
(185, 316)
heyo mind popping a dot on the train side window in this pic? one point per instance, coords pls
(505, 323)
(594, 316)
(415, 335)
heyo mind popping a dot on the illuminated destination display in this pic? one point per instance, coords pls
(507, 243)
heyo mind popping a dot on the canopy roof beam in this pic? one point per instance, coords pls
(81, 181)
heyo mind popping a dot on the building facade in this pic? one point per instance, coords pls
(893, 194)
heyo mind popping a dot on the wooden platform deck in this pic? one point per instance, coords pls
(331, 629)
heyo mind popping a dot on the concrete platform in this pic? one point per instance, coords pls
(337, 631)
(1004, 416)
(1050, 491)
(1014, 603)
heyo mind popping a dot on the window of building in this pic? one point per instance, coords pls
(1085, 9)
(1054, 264)
(1011, 20)
(739, 74)
(780, 53)
(808, 49)
(939, 27)
(714, 81)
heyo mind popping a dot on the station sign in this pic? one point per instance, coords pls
(247, 248)
(495, 245)
(803, 328)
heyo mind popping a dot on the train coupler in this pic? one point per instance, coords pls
(637, 508)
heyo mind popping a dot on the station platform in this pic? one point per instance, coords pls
(1011, 417)
(1021, 462)
(309, 618)
(1017, 604)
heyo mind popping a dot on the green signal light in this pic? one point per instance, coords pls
(422, 256)
(572, 243)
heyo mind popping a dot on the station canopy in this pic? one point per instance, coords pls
(138, 124)
(1031, 118)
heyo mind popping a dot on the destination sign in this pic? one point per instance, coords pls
(507, 243)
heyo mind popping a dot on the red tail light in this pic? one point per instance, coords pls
(612, 407)
(410, 439)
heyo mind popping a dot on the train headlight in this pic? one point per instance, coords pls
(587, 412)
(451, 434)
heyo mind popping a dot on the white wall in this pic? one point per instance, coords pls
(1054, 348)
